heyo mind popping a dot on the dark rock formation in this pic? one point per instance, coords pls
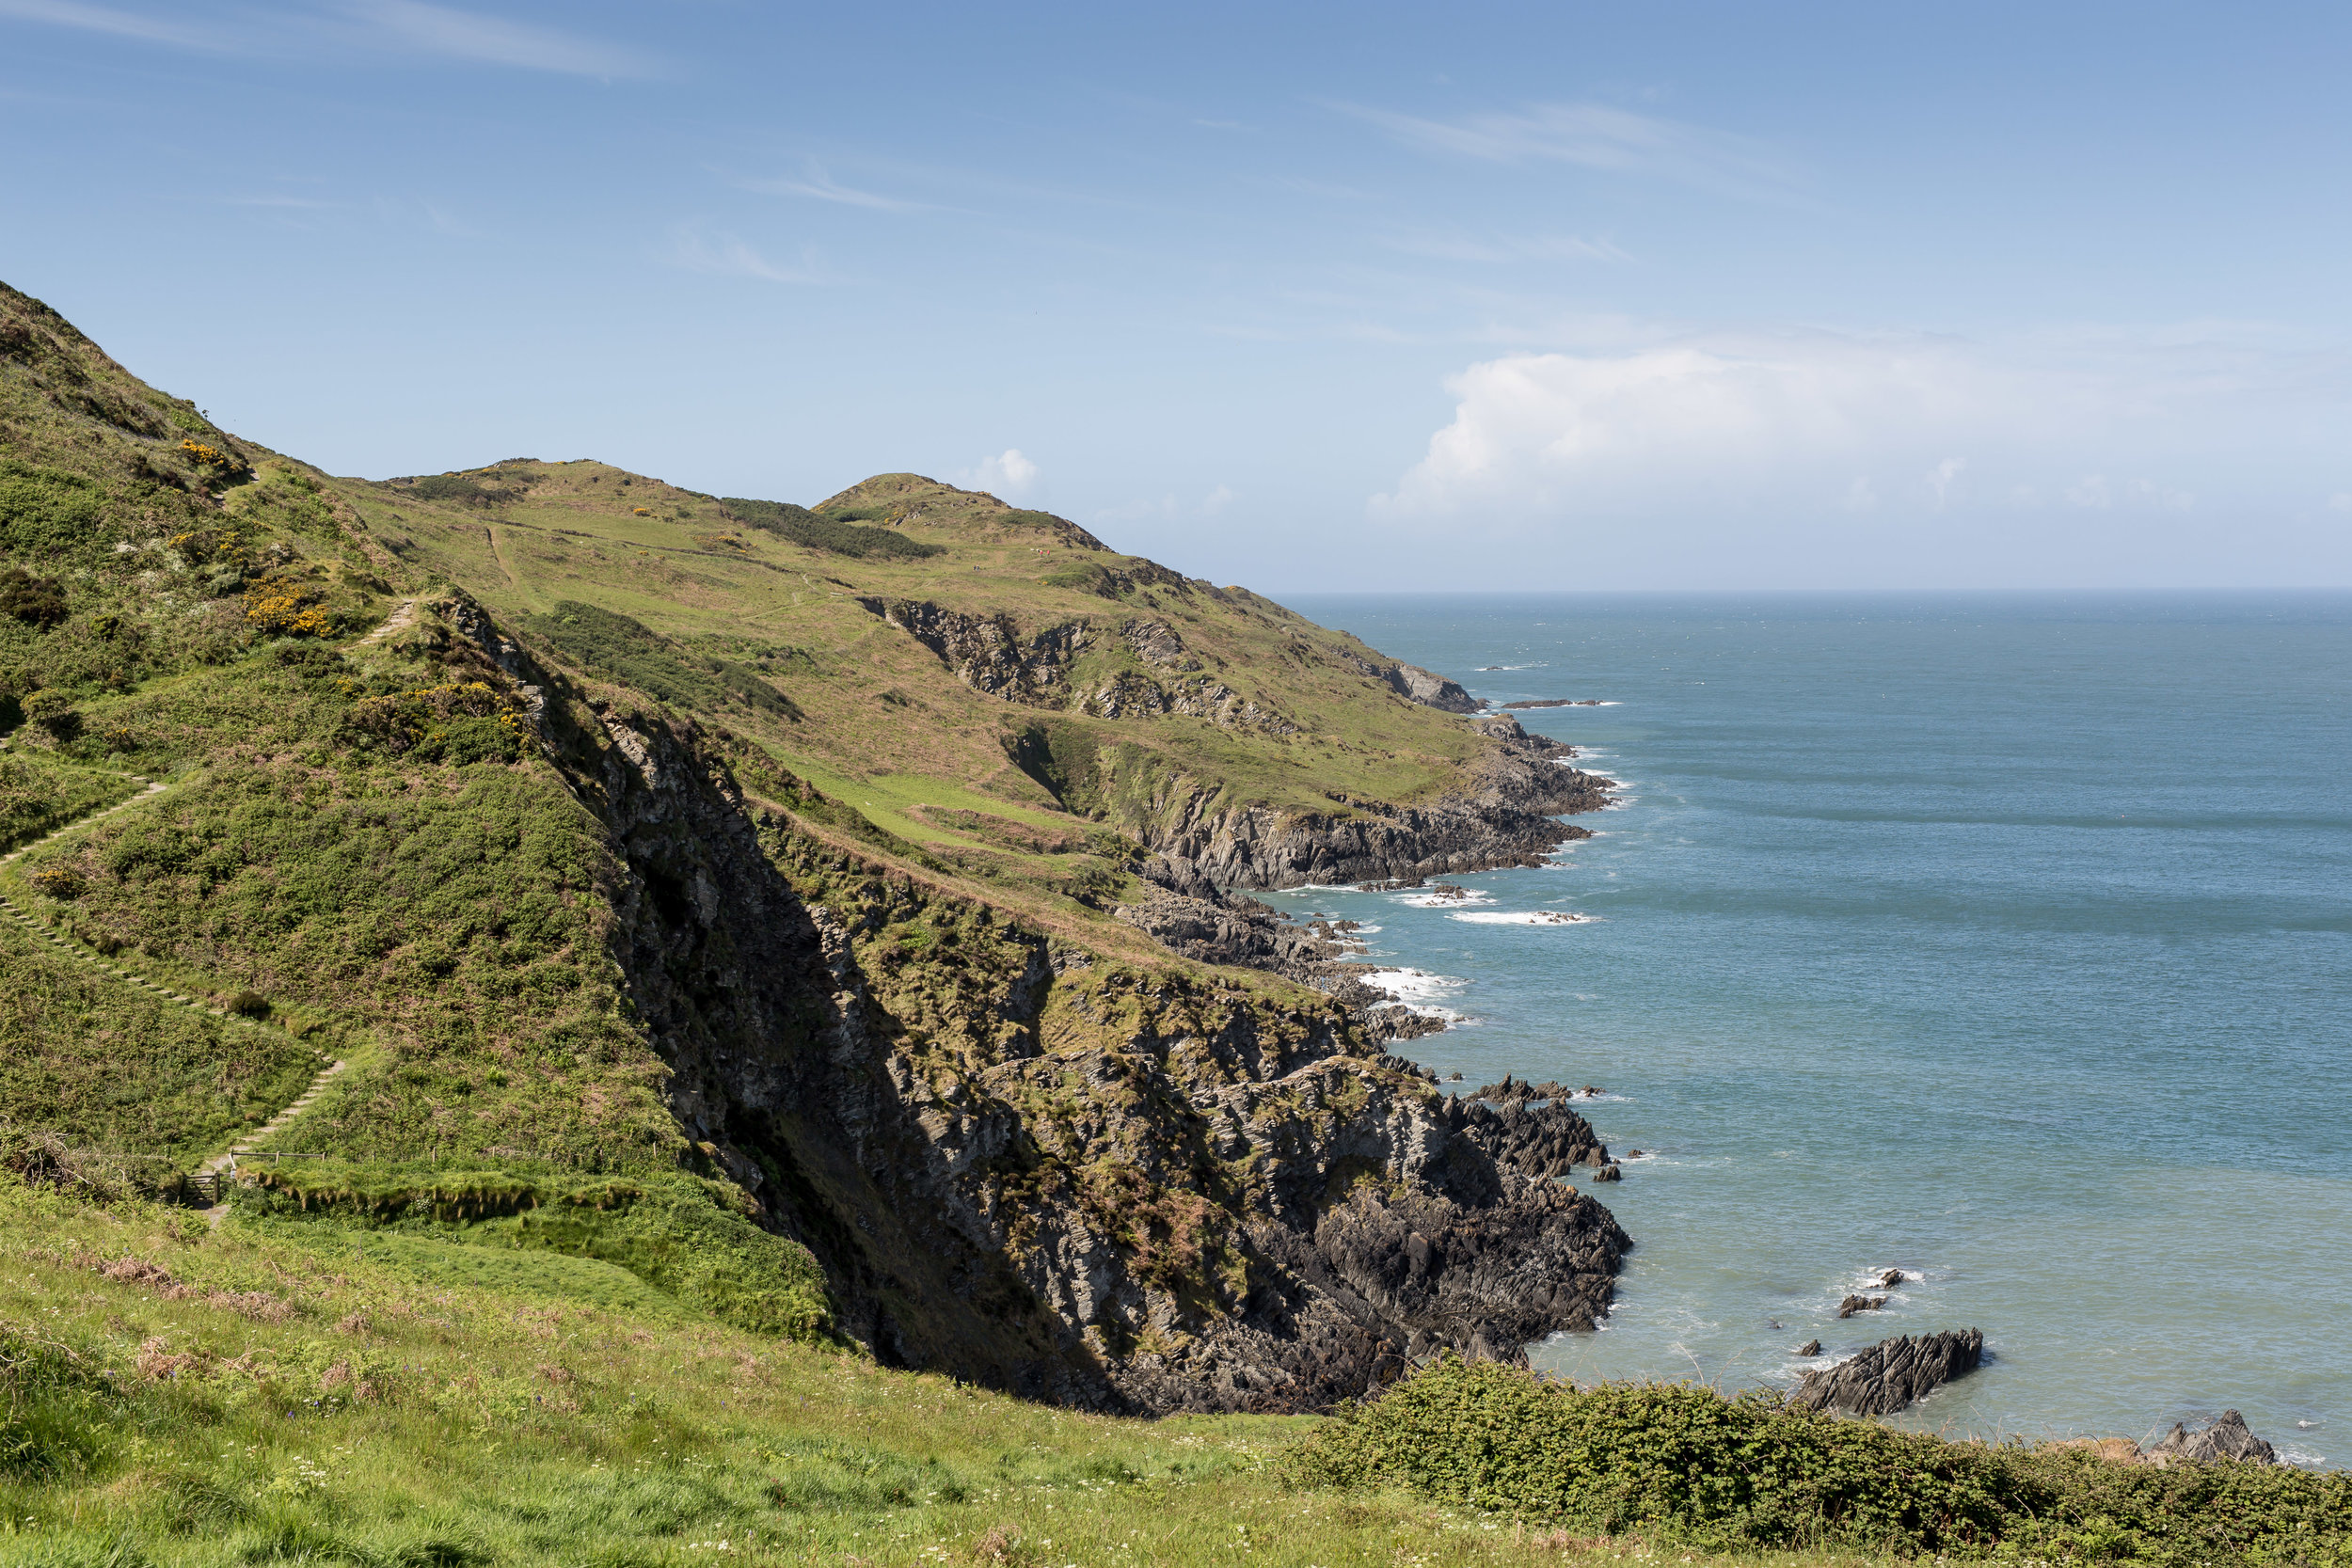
(1037, 1170)
(1428, 688)
(1811, 1347)
(1892, 1374)
(1891, 1279)
(1503, 815)
(988, 652)
(1541, 1140)
(2226, 1437)
(1851, 1305)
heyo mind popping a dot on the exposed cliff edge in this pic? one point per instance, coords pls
(1029, 1167)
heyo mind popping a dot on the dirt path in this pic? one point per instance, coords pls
(404, 615)
(65, 946)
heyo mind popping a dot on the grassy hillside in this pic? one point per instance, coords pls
(705, 906)
(285, 1392)
(705, 606)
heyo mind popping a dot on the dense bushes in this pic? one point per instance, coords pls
(46, 513)
(1750, 1472)
(618, 648)
(837, 532)
(36, 601)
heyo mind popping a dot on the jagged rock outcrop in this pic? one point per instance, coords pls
(2226, 1437)
(988, 652)
(1892, 1373)
(1428, 688)
(1032, 1168)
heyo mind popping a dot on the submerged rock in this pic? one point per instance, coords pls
(1892, 1373)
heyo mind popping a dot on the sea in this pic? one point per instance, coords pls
(2002, 940)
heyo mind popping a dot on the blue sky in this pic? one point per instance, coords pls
(1558, 296)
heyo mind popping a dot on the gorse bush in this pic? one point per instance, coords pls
(461, 723)
(1751, 1472)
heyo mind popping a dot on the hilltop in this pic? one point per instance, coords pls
(826, 913)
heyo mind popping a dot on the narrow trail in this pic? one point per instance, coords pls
(67, 947)
(404, 615)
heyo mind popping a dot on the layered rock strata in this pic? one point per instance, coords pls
(1505, 814)
(1892, 1373)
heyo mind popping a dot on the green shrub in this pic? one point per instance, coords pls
(1751, 1472)
(46, 511)
(836, 530)
(620, 649)
(36, 601)
(53, 712)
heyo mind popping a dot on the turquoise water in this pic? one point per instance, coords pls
(2007, 940)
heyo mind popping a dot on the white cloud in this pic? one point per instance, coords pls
(118, 23)
(1731, 425)
(1592, 136)
(2092, 492)
(817, 183)
(1008, 474)
(460, 35)
(723, 255)
(1595, 434)
(1216, 501)
(1940, 478)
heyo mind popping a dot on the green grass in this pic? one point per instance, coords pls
(691, 1240)
(272, 1392)
(105, 1063)
(38, 795)
(455, 915)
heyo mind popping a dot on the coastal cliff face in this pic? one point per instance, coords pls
(1505, 816)
(1040, 1170)
(603, 827)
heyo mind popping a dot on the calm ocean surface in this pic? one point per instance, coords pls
(2006, 940)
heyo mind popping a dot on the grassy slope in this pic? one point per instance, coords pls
(873, 702)
(284, 1393)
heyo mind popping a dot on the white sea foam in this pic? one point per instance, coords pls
(1525, 917)
(1445, 901)
(1362, 930)
(1415, 985)
(1423, 993)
